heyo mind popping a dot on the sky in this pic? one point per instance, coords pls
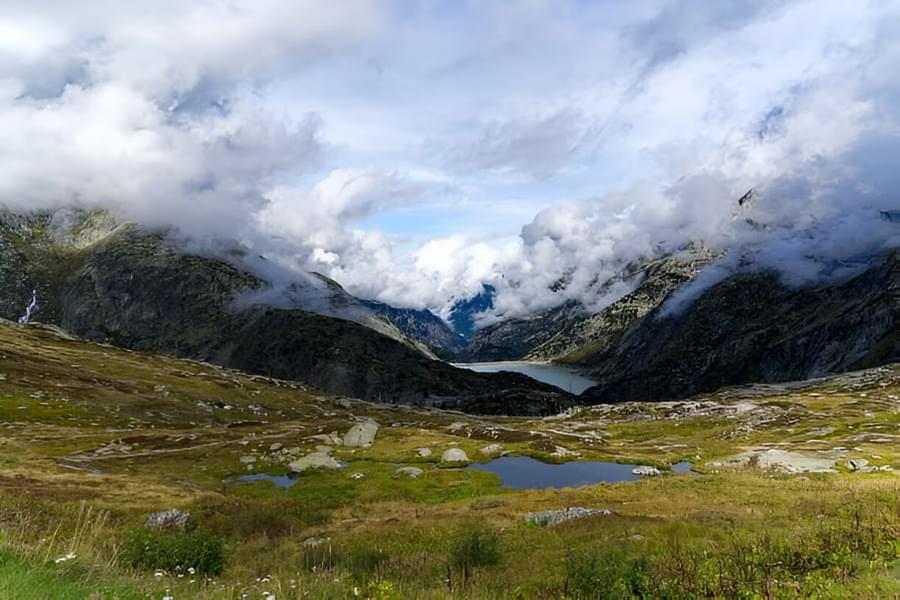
(415, 150)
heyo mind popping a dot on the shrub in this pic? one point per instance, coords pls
(197, 549)
(364, 562)
(609, 575)
(474, 547)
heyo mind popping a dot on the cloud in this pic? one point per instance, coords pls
(627, 130)
(538, 146)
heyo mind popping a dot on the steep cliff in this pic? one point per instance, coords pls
(751, 328)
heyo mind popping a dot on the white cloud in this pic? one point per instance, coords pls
(289, 126)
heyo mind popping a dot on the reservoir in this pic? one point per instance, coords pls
(564, 378)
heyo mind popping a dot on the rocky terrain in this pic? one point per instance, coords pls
(751, 328)
(571, 333)
(318, 496)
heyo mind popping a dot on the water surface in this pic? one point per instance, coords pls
(524, 473)
(282, 481)
(562, 377)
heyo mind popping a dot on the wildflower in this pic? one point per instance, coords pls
(192, 570)
(66, 558)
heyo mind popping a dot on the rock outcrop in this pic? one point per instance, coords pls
(751, 328)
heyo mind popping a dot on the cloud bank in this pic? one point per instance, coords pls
(415, 152)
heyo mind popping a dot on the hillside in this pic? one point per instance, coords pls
(139, 290)
(96, 438)
(571, 333)
(751, 328)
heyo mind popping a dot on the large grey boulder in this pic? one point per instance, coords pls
(454, 456)
(361, 435)
(314, 460)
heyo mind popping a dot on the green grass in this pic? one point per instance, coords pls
(22, 579)
(186, 426)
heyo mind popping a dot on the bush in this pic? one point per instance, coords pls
(472, 548)
(364, 562)
(197, 549)
(610, 575)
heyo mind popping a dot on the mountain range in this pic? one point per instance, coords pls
(146, 290)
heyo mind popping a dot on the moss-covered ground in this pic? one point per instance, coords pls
(92, 438)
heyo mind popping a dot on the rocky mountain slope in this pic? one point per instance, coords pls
(138, 290)
(571, 333)
(751, 328)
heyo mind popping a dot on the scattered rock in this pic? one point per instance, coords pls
(646, 471)
(492, 449)
(361, 435)
(315, 460)
(248, 460)
(423, 452)
(551, 518)
(563, 452)
(357, 476)
(408, 472)
(276, 447)
(857, 464)
(454, 455)
(314, 541)
(168, 520)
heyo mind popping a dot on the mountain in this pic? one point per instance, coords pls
(464, 312)
(571, 332)
(420, 325)
(751, 328)
(141, 290)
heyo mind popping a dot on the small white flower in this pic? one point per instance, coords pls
(66, 558)
(192, 570)
(159, 574)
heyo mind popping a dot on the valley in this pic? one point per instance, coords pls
(95, 438)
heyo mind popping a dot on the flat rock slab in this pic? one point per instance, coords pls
(361, 435)
(551, 518)
(782, 460)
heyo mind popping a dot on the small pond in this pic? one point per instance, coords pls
(524, 473)
(562, 377)
(282, 481)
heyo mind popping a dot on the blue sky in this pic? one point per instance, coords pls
(415, 150)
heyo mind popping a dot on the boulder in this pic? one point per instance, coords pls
(454, 455)
(361, 435)
(646, 471)
(168, 520)
(408, 472)
(857, 464)
(315, 460)
(423, 452)
(551, 518)
(492, 449)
